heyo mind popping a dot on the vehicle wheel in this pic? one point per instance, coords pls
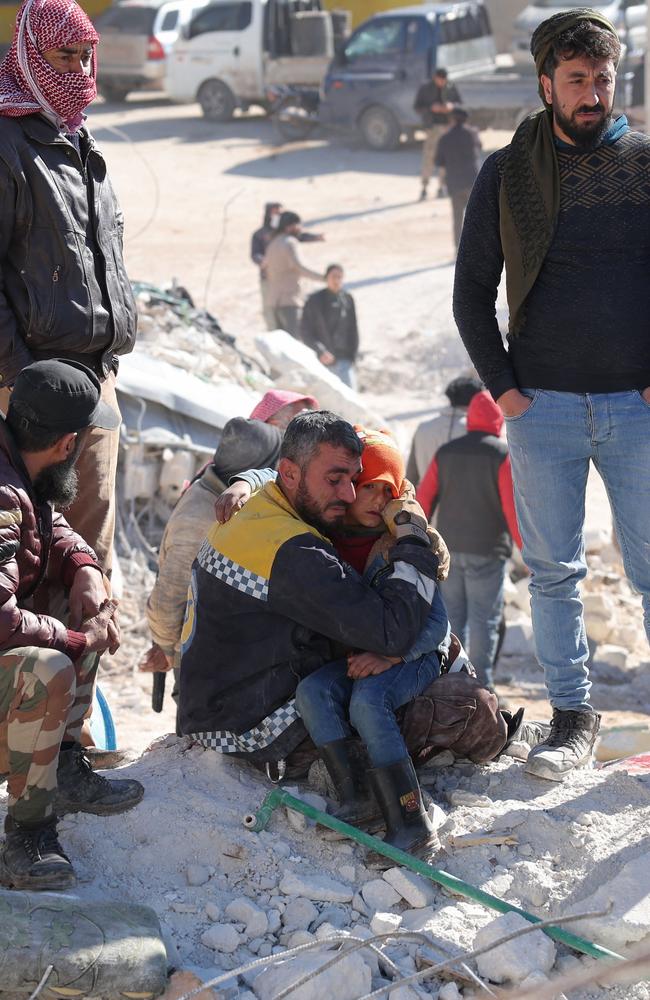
(379, 128)
(293, 120)
(114, 92)
(217, 101)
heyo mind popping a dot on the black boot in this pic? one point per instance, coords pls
(346, 770)
(80, 789)
(408, 826)
(32, 857)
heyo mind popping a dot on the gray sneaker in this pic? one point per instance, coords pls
(569, 745)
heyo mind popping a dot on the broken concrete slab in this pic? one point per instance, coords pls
(379, 895)
(514, 960)
(317, 887)
(518, 639)
(299, 369)
(417, 891)
(627, 895)
(348, 979)
(105, 949)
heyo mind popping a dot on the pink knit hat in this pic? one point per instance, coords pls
(275, 399)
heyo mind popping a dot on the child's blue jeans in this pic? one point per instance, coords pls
(332, 704)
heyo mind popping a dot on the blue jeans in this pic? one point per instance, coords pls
(332, 705)
(344, 369)
(551, 444)
(473, 595)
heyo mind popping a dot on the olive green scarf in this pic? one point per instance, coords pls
(529, 200)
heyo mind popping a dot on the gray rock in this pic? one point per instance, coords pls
(516, 959)
(349, 979)
(197, 874)
(317, 887)
(299, 914)
(417, 891)
(379, 895)
(221, 937)
(255, 921)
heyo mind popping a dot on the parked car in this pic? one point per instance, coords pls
(136, 38)
(233, 51)
(371, 84)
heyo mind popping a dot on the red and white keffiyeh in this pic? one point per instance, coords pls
(27, 81)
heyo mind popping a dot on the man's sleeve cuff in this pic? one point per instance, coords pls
(75, 562)
(502, 384)
(75, 644)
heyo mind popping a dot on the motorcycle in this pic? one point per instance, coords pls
(294, 110)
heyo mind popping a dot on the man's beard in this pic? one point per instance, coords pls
(57, 484)
(311, 512)
(587, 136)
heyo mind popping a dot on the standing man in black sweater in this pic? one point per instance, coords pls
(329, 326)
(566, 207)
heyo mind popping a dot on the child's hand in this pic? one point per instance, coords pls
(368, 664)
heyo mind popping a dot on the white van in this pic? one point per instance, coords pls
(627, 16)
(233, 50)
(135, 39)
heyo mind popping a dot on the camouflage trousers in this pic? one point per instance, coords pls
(43, 700)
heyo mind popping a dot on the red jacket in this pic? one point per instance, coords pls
(483, 418)
(35, 545)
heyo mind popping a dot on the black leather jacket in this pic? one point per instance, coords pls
(64, 291)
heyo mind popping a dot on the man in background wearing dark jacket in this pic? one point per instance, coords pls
(329, 326)
(47, 667)
(459, 159)
(64, 291)
(434, 103)
(469, 482)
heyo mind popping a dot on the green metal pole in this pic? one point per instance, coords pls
(278, 797)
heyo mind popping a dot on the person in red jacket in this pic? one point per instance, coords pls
(469, 485)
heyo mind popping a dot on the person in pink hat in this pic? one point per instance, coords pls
(280, 406)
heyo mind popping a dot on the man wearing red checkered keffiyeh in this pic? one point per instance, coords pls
(64, 290)
(51, 65)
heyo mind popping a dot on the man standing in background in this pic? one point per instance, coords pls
(434, 102)
(260, 241)
(329, 326)
(458, 158)
(283, 269)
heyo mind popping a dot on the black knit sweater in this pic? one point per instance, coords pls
(587, 320)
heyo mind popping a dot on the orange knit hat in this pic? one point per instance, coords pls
(381, 459)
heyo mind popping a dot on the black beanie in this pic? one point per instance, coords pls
(461, 390)
(246, 444)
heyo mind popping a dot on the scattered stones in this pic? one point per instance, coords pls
(516, 959)
(274, 919)
(197, 874)
(317, 887)
(338, 916)
(299, 914)
(518, 639)
(221, 937)
(244, 911)
(615, 656)
(297, 820)
(417, 891)
(379, 895)
(385, 923)
(347, 872)
(212, 911)
(349, 979)
(359, 906)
